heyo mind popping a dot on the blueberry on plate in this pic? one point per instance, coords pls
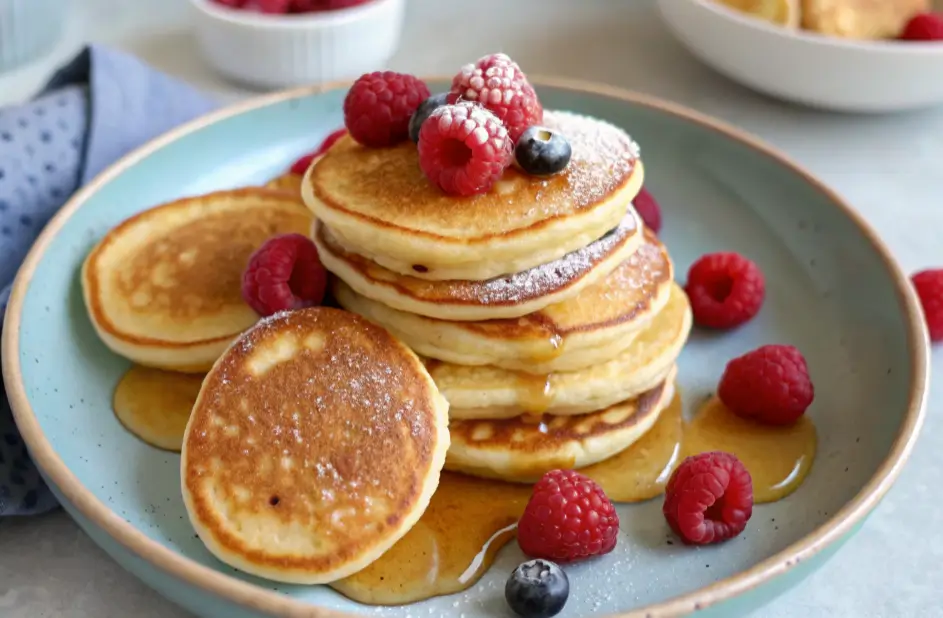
(537, 589)
(542, 152)
(422, 112)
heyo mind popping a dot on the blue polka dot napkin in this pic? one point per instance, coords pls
(94, 110)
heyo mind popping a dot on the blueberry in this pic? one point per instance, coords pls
(423, 111)
(542, 152)
(537, 589)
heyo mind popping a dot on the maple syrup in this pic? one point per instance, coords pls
(155, 405)
(778, 458)
(535, 392)
(641, 471)
(455, 541)
(469, 519)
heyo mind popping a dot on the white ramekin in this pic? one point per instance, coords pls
(280, 51)
(29, 28)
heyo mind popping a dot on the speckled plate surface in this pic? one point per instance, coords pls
(833, 291)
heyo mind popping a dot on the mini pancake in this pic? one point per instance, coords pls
(509, 296)
(491, 392)
(290, 183)
(591, 328)
(315, 444)
(155, 405)
(521, 451)
(378, 203)
(163, 288)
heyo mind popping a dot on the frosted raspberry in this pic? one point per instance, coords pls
(464, 148)
(497, 82)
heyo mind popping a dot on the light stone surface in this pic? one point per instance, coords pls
(889, 167)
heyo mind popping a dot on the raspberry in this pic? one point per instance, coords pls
(284, 273)
(924, 27)
(379, 105)
(310, 6)
(236, 4)
(464, 148)
(568, 518)
(647, 208)
(275, 7)
(497, 82)
(929, 286)
(709, 498)
(301, 166)
(770, 384)
(725, 289)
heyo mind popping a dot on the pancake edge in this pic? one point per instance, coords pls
(475, 467)
(459, 258)
(195, 356)
(470, 311)
(436, 465)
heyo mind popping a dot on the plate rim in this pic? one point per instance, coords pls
(253, 596)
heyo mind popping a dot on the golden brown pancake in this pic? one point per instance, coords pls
(523, 449)
(503, 297)
(378, 203)
(163, 288)
(482, 392)
(155, 405)
(286, 182)
(591, 328)
(314, 445)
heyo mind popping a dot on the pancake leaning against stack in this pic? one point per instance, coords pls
(546, 313)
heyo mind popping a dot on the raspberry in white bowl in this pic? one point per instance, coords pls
(271, 44)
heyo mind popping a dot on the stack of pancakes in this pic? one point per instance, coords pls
(545, 312)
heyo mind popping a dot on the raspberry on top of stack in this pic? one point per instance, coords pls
(499, 241)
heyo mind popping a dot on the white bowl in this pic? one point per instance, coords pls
(28, 29)
(282, 51)
(807, 68)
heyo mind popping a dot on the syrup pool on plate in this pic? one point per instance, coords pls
(641, 471)
(455, 541)
(469, 519)
(777, 457)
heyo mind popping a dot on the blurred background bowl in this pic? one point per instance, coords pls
(805, 67)
(28, 29)
(280, 51)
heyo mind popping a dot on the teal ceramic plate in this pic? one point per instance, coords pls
(833, 291)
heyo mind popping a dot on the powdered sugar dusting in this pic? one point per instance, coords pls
(547, 278)
(603, 155)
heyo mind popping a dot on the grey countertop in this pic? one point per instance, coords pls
(889, 167)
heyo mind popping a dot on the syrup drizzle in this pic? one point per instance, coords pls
(469, 519)
(778, 458)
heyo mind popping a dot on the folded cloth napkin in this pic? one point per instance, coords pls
(94, 110)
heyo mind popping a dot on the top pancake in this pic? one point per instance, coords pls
(163, 288)
(378, 203)
(315, 444)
